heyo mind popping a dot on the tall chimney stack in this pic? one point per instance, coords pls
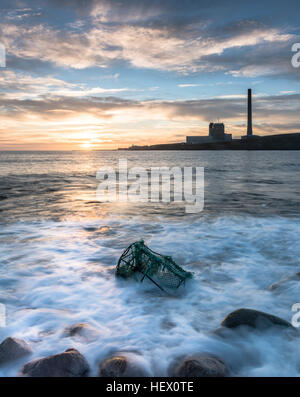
(249, 129)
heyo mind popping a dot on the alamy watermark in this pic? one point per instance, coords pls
(155, 184)
(2, 315)
(296, 57)
(2, 56)
(296, 316)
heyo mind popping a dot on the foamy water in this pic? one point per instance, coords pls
(58, 268)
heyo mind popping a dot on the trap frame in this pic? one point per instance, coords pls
(159, 269)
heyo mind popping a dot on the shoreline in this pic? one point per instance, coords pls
(270, 142)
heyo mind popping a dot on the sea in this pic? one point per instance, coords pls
(59, 246)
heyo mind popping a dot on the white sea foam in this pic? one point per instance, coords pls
(54, 274)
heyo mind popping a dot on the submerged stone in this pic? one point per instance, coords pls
(121, 366)
(199, 365)
(253, 318)
(12, 349)
(83, 331)
(70, 363)
(282, 283)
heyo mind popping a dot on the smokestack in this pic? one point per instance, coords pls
(249, 129)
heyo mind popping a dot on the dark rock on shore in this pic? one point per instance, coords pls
(12, 349)
(120, 366)
(254, 319)
(70, 363)
(200, 365)
(83, 331)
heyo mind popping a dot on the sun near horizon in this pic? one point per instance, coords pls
(96, 78)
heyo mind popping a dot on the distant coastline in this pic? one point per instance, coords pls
(270, 142)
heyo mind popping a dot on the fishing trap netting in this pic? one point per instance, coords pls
(160, 269)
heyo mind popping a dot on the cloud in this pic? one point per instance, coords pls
(152, 117)
(224, 107)
(265, 59)
(288, 92)
(15, 85)
(51, 38)
(10, 80)
(188, 85)
(103, 44)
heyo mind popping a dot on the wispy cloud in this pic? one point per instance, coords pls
(15, 85)
(188, 85)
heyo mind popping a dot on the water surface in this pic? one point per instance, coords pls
(59, 247)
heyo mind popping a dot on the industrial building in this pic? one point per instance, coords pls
(216, 134)
(217, 130)
(249, 122)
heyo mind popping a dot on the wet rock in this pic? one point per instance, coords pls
(70, 363)
(167, 324)
(253, 318)
(121, 366)
(200, 365)
(12, 349)
(83, 331)
(281, 284)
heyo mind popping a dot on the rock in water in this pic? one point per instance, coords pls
(119, 367)
(253, 318)
(12, 349)
(70, 363)
(201, 366)
(282, 283)
(83, 331)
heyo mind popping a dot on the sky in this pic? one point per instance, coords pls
(105, 74)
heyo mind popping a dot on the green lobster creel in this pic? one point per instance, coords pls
(160, 269)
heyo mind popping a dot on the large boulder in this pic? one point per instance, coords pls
(121, 366)
(12, 349)
(254, 319)
(70, 363)
(199, 365)
(82, 331)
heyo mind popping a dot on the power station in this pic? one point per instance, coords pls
(216, 134)
(249, 121)
(249, 125)
(218, 140)
(217, 130)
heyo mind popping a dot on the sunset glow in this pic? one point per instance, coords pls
(132, 74)
(87, 145)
